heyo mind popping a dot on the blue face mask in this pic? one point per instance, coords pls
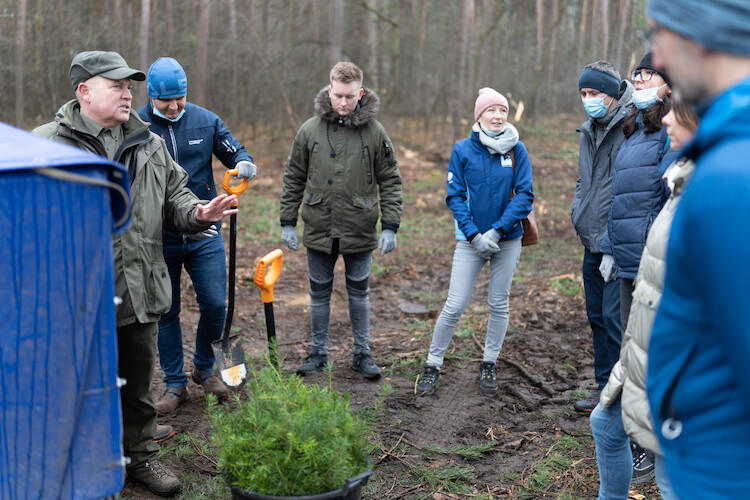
(645, 98)
(595, 107)
(490, 132)
(173, 120)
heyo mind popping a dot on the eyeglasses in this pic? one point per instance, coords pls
(645, 74)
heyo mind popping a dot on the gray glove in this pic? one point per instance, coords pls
(246, 170)
(607, 268)
(493, 235)
(203, 235)
(484, 246)
(289, 237)
(387, 241)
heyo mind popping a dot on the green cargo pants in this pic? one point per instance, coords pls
(136, 346)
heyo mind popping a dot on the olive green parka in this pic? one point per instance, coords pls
(159, 195)
(344, 172)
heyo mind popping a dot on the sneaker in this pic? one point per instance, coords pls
(313, 363)
(364, 364)
(157, 478)
(173, 397)
(643, 464)
(163, 432)
(427, 382)
(487, 377)
(587, 405)
(210, 383)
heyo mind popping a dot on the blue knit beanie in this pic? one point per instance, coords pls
(720, 25)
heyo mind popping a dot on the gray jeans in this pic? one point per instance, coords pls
(466, 267)
(320, 269)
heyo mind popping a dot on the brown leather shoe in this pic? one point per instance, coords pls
(173, 397)
(157, 478)
(210, 383)
(163, 432)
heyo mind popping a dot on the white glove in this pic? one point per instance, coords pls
(289, 237)
(387, 241)
(246, 170)
(203, 235)
(484, 246)
(607, 268)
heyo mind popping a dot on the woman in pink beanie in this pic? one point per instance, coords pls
(485, 170)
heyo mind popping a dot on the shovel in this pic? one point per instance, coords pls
(266, 273)
(228, 352)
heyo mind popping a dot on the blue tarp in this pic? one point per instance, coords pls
(60, 414)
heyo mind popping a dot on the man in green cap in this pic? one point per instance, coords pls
(100, 120)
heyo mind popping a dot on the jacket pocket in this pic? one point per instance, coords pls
(313, 210)
(367, 207)
(313, 165)
(158, 288)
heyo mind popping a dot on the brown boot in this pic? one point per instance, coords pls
(157, 478)
(163, 432)
(210, 383)
(173, 397)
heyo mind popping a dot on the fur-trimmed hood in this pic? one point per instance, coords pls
(365, 111)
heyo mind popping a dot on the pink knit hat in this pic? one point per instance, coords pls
(488, 97)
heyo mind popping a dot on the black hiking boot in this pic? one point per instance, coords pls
(487, 377)
(364, 364)
(643, 464)
(313, 363)
(428, 380)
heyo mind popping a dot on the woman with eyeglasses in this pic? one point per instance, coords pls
(638, 194)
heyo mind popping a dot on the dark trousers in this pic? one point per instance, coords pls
(136, 346)
(603, 310)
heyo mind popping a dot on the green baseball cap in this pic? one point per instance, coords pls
(99, 63)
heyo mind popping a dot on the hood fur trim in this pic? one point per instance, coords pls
(368, 107)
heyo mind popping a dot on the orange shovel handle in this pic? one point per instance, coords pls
(239, 189)
(267, 272)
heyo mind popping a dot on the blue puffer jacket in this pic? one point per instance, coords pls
(700, 345)
(638, 194)
(193, 140)
(479, 187)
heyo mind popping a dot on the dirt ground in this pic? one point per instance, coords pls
(545, 364)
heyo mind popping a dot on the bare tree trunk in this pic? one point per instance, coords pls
(459, 98)
(234, 77)
(204, 23)
(395, 52)
(113, 21)
(539, 33)
(170, 27)
(623, 22)
(139, 99)
(604, 26)
(371, 29)
(337, 32)
(20, 49)
(582, 35)
(551, 60)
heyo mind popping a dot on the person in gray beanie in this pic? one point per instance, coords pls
(697, 379)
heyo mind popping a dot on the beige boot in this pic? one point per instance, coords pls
(163, 432)
(157, 478)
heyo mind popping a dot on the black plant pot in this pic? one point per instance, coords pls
(352, 490)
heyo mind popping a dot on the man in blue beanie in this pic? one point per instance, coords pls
(192, 134)
(698, 381)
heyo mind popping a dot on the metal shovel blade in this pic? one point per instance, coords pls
(230, 360)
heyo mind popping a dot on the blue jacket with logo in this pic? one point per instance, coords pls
(698, 381)
(192, 140)
(638, 194)
(479, 188)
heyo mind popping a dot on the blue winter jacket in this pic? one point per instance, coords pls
(479, 187)
(638, 194)
(192, 141)
(699, 355)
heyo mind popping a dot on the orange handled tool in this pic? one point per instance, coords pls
(266, 273)
(239, 189)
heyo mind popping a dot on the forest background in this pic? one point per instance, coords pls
(258, 64)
